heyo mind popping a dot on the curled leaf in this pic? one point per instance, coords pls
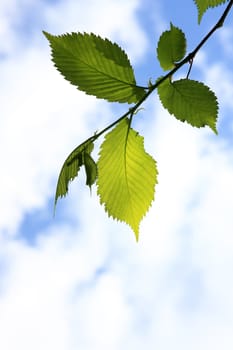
(78, 157)
(91, 169)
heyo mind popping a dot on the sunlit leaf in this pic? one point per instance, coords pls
(96, 66)
(203, 5)
(190, 101)
(126, 175)
(171, 47)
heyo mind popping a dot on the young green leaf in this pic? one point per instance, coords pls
(126, 176)
(203, 5)
(171, 47)
(80, 156)
(96, 66)
(91, 169)
(190, 101)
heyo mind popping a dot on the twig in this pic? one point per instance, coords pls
(189, 58)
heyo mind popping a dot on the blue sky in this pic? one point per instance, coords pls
(79, 280)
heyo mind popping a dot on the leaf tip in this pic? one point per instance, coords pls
(54, 207)
(136, 233)
(135, 228)
(46, 34)
(215, 130)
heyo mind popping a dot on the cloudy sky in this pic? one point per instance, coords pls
(80, 280)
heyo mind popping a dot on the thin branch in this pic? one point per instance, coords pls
(218, 25)
(189, 58)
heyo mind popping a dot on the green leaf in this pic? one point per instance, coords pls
(96, 66)
(91, 169)
(171, 47)
(126, 176)
(80, 156)
(203, 5)
(190, 101)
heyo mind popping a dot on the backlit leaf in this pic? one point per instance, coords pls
(171, 47)
(190, 101)
(126, 175)
(80, 156)
(96, 66)
(203, 5)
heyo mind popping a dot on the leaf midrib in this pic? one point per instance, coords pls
(100, 72)
(125, 167)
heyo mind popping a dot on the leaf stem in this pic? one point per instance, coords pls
(190, 67)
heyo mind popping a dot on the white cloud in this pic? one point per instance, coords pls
(114, 19)
(226, 36)
(45, 116)
(220, 79)
(44, 119)
(86, 283)
(100, 289)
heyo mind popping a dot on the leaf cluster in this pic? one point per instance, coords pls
(125, 173)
